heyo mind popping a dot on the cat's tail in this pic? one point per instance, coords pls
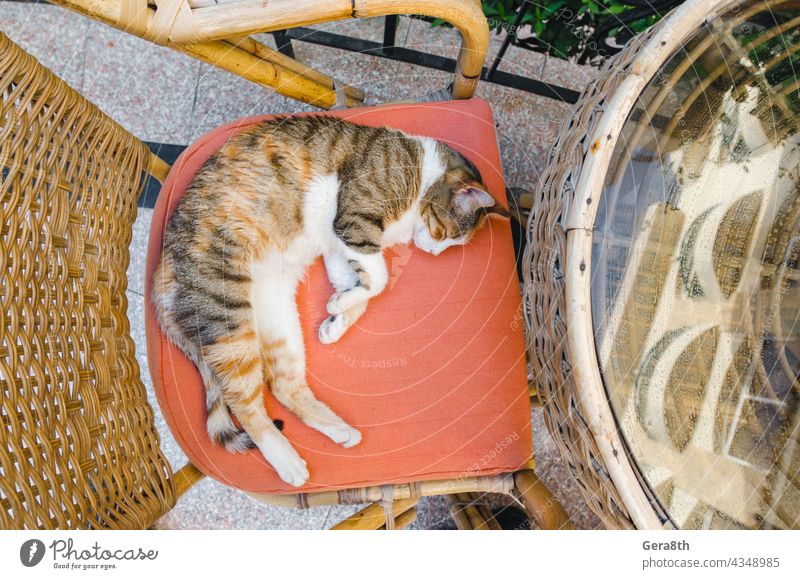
(221, 427)
(223, 430)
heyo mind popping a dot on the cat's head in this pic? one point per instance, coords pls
(455, 206)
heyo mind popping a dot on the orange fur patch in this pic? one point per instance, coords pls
(234, 368)
(268, 346)
(255, 394)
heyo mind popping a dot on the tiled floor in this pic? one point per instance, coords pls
(161, 95)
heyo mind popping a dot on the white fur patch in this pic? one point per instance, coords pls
(319, 210)
(283, 457)
(432, 165)
(401, 230)
(277, 273)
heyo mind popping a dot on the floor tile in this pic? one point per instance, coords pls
(382, 80)
(337, 513)
(567, 74)
(56, 37)
(148, 89)
(211, 505)
(222, 97)
(527, 126)
(433, 513)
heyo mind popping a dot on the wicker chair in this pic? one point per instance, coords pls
(78, 445)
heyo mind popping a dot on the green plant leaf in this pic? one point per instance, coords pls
(562, 28)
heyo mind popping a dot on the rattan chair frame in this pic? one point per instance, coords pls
(221, 34)
(78, 444)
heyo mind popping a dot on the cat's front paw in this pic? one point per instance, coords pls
(342, 301)
(332, 329)
(334, 306)
(343, 434)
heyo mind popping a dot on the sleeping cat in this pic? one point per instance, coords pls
(259, 211)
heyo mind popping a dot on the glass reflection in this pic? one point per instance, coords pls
(695, 288)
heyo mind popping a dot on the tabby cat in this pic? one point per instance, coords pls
(258, 212)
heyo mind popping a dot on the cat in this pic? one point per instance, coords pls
(272, 200)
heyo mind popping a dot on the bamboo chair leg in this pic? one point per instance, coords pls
(353, 96)
(475, 519)
(458, 514)
(470, 514)
(542, 506)
(373, 517)
(186, 478)
(403, 520)
(158, 168)
(533, 394)
(491, 522)
(262, 72)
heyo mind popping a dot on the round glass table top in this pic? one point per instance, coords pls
(696, 275)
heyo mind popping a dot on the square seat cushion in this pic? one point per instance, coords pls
(434, 373)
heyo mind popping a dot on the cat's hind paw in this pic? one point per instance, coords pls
(284, 459)
(332, 329)
(293, 472)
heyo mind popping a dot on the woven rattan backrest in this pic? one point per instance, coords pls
(78, 445)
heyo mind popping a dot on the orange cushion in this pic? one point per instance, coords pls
(433, 375)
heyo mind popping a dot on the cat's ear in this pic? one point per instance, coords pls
(473, 197)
